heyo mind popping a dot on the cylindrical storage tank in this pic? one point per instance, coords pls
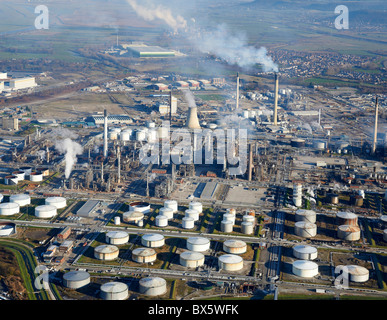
(132, 216)
(305, 268)
(114, 291)
(161, 221)
(346, 218)
(106, 252)
(305, 215)
(305, 229)
(153, 286)
(36, 176)
(248, 218)
(144, 255)
(383, 220)
(117, 220)
(125, 135)
(21, 199)
(20, 175)
(45, 211)
(230, 262)
(194, 205)
(141, 135)
(45, 171)
(152, 135)
(198, 244)
(113, 135)
(7, 229)
(11, 180)
(26, 170)
(358, 273)
(245, 114)
(348, 232)
(226, 226)
(247, 227)
(9, 208)
(58, 202)
(333, 198)
(297, 143)
(234, 246)
(320, 145)
(117, 237)
(190, 213)
(171, 204)
(163, 132)
(191, 259)
(229, 217)
(76, 279)
(168, 212)
(140, 223)
(140, 206)
(152, 240)
(188, 223)
(304, 252)
(385, 235)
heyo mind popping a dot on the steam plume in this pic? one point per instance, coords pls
(70, 149)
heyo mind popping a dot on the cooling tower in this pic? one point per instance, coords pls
(275, 99)
(193, 120)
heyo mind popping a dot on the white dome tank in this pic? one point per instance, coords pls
(190, 213)
(348, 232)
(247, 227)
(303, 252)
(106, 252)
(58, 202)
(305, 268)
(45, 211)
(114, 291)
(161, 221)
(194, 205)
(153, 286)
(9, 208)
(168, 212)
(117, 237)
(152, 240)
(191, 259)
(144, 255)
(198, 244)
(230, 262)
(188, 223)
(234, 246)
(141, 134)
(171, 204)
(76, 279)
(22, 199)
(305, 215)
(226, 226)
(305, 229)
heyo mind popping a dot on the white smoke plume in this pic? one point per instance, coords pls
(70, 149)
(41, 154)
(190, 98)
(158, 12)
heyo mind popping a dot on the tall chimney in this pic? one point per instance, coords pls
(376, 127)
(119, 164)
(275, 98)
(47, 154)
(105, 135)
(170, 107)
(237, 92)
(193, 120)
(250, 174)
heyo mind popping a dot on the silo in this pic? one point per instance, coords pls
(247, 227)
(144, 255)
(9, 208)
(304, 252)
(21, 199)
(305, 229)
(305, 268)
(106, 252)
(346, 218)
(191, 259)
(152, 240)
(161, 221)
(45, 211)
(234, 246)
(36, 176)
(171, 204)
(195, 205)
(7, 229)
(305, 215)
(230, 262)
(348, 232)
(76, 279)
(117, 237)
(190, 213)
(114, 291)
(187, 223)
(153, 286)
(198, 244)
(132, 216)
(58, 202)
(226, 226)
(168, 212)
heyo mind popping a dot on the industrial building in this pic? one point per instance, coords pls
(144, 51)
(88, 208)
(21, 83)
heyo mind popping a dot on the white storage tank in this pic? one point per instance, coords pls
(152, 135)
(117, 220)
(1, 197)
(9, 208)
(132, 216)
(305, 229)
(247, 227)
(187, 223)
(106, 252)
(126, 135)
(144, 255)
(163, 132)
(168, 212)
(226, 226)
(45, 211)
(198, 244)
(11, 180)
(36, 176)
(113, 135)
(161, 221)
(141, 134)
(385, 235)
(234, 246)
(348, 232)
(297, 195)
(305, 215)
(191, 259)
(305, 268)
(114, 291)
(357, 273)
(230, 262)
(229, 217)
(117, 237)
(153, 286)
(76, 279)
(304, 252)
(26, 170)
(346, 218)
(58, 202)
(7, 229)
(140, 206)
(190, 213)
(248, 218)
(195, 205)
(22, 199)
(152, 240)
(171, 204)
(20, 175)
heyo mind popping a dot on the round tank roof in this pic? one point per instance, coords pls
(76, 275)
(45, 208)
(106, 248)
(117, 234)
(305, 265)
(19, 197)
(198, 240)
(145, 252)
(349, 228)
(133, 214)
(384, 218)
(305, 212)
(305, 249)
(114, 287)
(9, 205)
(346, 215)
(235, 243)
(153, 237)
(357, 270)
(191, 255)
(305, 225)
(152, 282)
(230, 258)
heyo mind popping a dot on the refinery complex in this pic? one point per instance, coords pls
(178, 186)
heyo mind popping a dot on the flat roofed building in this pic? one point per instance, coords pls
(88, 208)
(144, 51)
(21, 83)
(112, 119)
(10, 123)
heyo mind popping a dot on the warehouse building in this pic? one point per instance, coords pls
(88, 208)
(21, 83)
(111, 119)
(144, 51)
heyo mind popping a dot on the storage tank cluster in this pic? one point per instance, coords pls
(76, 279)
(348, 228)
(117, 237)
(234, 246)
(198, 244)
(191, 259)
(21, 199)
(144, 255)
(297, 195)
(227, 224)
(58, 202)
(305, 229)
(230, 262)
(152, 240)
(9, 208)
(45, 211)
(114, 291)
(152, 286)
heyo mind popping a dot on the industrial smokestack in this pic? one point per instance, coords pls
(237, 92)
(105, 134)
(275, 98)
(376, 127)
(250, 162)
(47, 154)
(119, 164)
